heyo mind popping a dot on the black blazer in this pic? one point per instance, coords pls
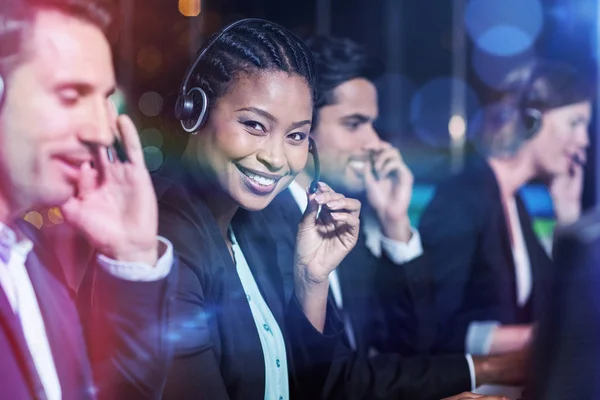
(402, 368)
(218, 350)
(566, 357)
(465, 235)
(127, 354)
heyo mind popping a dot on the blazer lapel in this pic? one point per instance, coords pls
(262, 261)
(12, 326)
(502, 215)
(61, 323)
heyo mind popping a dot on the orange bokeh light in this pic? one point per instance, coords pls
(189, 8)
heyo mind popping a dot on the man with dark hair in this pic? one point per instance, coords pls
(385, 276)
(57, 130)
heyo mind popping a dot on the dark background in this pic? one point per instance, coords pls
(415, 38)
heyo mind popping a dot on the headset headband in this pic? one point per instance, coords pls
(183, 90)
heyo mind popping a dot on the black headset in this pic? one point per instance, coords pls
(191, 107)
(531, 117)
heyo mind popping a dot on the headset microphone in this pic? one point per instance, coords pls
(312, 148)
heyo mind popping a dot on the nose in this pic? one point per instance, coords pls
(582, 138)
(96, 124)
(370, 137)
(273, 154)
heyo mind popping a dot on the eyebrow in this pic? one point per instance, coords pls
(581, 118)
(362, 118)
(83, 88)
(271, 118)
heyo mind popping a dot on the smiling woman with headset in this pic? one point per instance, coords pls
(248, 327)
(489, 266)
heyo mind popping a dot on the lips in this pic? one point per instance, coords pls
(358, 165)
(71, 165)
(259, 182)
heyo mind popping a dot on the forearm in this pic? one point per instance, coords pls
(398, 230)
(127, 330)
(505, 369)
(312, 297)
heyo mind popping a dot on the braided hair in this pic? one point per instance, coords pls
(251, 47)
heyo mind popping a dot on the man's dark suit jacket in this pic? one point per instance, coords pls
(127, 354)
(402, 369)
(465, 236)
(566, 360)
(218, 352)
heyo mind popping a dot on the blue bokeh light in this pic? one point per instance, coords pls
(493, 69)
(430, 109)
(505, 27)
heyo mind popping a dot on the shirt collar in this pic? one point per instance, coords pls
(299, 194)
(8, 244)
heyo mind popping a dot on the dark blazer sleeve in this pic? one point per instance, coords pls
(126, 328)
(405, 298)
(392, 376)
(450, 235)
(566, 356)
(195, 372)
(400, 324)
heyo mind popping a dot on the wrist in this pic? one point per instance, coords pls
(146, 255)
(308, 281)
(311, 289)
(506, 369)
(398, 229)
(567, 217)
(482, 370)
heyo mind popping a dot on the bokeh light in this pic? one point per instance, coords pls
(151, 137)
(457, 128)
(493, 69)
(430, 109)
(151, 104)
(153, 157)
(34, 218)
(190, 8)
(504, 27)
(55, 216)
(149, 58)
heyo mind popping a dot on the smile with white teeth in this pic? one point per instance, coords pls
(261, 180)
(358, 164)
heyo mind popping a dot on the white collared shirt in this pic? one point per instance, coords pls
(17, 286)
(269, 332)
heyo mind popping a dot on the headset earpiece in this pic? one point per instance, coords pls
(192, 105)
(191, 109)
(532, 121)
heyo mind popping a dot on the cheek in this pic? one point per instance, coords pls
(297, 160)
(233, 143)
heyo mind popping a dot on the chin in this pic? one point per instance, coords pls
(256, 204)
(55, 196)
(250, 201)
(556, 170)
(352, 187)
